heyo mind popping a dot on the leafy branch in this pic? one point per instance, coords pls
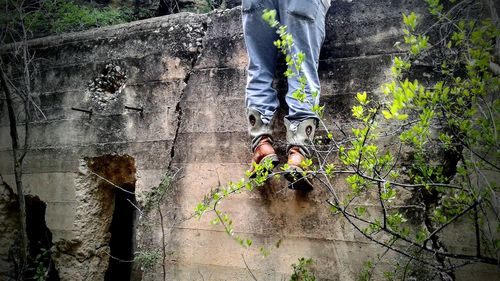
(442, 146)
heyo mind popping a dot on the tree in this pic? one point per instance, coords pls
(15, 30)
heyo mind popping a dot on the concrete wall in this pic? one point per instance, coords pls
(188, 74)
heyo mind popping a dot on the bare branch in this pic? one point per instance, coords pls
(250, 271)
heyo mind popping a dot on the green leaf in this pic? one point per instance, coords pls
(357, 111)
(361, 97)
(410, 20)
(265, 252)
(387, 114)
(360, 211)
(402, 116)
(334, 209)
(318, 110)
(421, 235)
(306, 163)
(269, 16)
(388, 194)
(300, 57)
(298, 94)
(329, 169)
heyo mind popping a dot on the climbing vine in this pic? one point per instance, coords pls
(432, 137)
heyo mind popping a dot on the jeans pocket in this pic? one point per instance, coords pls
(250, 6)
(304, 9)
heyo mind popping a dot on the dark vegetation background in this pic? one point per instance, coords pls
(47, 17)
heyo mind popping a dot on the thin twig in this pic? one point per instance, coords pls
(110, 182)
(118, 259)
(135, 206)
(164, 251)
(457, 216)
(246, 265)
(384, 210)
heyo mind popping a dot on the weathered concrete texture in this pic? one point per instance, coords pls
(9, 229)
(370, 27)
(302, 226)
(86, 255)
(187, 73)
(156, 55)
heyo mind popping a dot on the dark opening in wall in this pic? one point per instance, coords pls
(117, 174)
(122, 231)
(40, 241)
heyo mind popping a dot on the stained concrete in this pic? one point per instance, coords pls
(187, 72)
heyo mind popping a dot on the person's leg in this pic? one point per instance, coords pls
(260, 98)
(299, 137)
(262, 55)
(305, 21)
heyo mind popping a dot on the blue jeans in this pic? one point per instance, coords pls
(305, 20)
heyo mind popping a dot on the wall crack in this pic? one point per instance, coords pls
(178, 108)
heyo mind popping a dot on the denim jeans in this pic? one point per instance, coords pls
(305, 21)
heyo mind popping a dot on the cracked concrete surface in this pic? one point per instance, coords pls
(178, 107)
(86, 256)
(188, 74)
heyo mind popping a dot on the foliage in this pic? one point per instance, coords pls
(366, 272)
(45, 17)
(155, 196)
(150, 213)
(39, 266)
(448, 126)
(197, 6)
(443, 146)
(147, 259)
(301, 271)
(57, 16)
(205, 6)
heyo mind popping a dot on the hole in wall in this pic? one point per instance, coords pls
(122, 229)
(40, 241)
(119, 170)
(111, 79)
(107, 87)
